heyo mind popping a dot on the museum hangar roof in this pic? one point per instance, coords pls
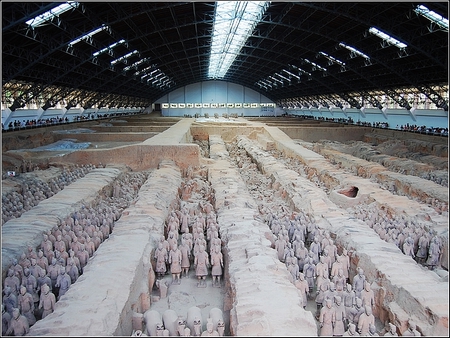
(132, 53)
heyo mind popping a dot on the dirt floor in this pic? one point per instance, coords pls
(179, 297)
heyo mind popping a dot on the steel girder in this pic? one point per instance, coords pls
(176, 37)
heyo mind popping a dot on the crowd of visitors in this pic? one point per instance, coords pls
(26, 124)
(423, 129)
(385, 125)
(35, 123)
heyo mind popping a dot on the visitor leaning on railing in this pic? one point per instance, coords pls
(28, 124)
(437, 131)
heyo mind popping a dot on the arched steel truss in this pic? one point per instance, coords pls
(40, 67)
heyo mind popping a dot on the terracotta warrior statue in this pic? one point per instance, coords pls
(358, 282)
(339, 281)
(365, 320)
(26, 305)
(309, 269)
(327, 319)
(175, 258)
(351, 331)
(217, 266)
(161, 259)
(411, 331)
(47, 301)
(302, 286)
(210, 329)
(434, 252)
(185, 257)
(392, 331)
(367, 295)
(63, 282)
(201, 263)
(18, 325)
(339, 326)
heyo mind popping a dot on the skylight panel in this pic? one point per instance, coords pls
(354, 50)
(432, 16)
(389, 39)
(88, 35)
(47, 16)
(233, 23)
(110, 47)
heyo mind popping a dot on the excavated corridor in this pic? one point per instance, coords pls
(247, 175)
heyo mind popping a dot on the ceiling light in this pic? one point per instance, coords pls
(123, 58)
(432, 16)
(389, 39)
(332, 59)
(283, 77)
(86, 36)
(354, 50)
(110, 47)
(315, 65)
(300, 70)
(137, 63)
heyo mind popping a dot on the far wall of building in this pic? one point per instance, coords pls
(220, 98)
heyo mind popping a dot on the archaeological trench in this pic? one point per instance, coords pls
(356, 184)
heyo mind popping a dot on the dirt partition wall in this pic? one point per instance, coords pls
(339, 133)
(227, 132)
(131, 128)
(404, 135)
(136, 157)
(104, 137)
(343, 133)
(32, 138)
(413, 142)
(260, 296)
(174, 144)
